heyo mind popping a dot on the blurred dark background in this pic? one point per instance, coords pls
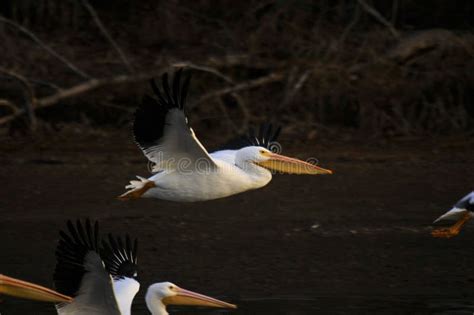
(394, 68)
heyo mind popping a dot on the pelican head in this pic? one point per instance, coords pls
(160, 295)
(276, 162)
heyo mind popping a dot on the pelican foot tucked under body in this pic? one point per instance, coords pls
(184, 170)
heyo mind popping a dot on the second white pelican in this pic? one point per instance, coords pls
(103, 278)
(185, 171)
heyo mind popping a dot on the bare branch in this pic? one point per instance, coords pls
(244, 60)
(10, 105)
(214, 71)
(106, 34)
(9, 118)
(30, 99)
(273, 77)
(40, 43)
(44, 83)
(350, 26)
(48, 84)
(379, 17)
(82, 88)
(238, 97)
(91, 85)
(294, 86)
(94, 84)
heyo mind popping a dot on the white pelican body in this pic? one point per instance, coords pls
(225, 180)
(185, 170)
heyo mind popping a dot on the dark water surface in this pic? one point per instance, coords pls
(356, 242)
(299, 306)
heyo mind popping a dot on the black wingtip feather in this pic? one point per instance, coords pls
(72, 248)
(120, 257)
(174, 96)
(156, 90)
(150, 116)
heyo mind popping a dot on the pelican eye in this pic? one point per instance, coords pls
(262, 152)
(171, 287)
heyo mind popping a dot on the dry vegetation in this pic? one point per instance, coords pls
(388, 68)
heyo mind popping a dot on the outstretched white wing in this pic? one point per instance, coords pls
(161, 129)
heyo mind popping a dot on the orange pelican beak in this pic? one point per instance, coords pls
(287, 165)
(26, 290)
(186, 297)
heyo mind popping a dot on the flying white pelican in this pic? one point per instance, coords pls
(27, 290)
(462, 211)
(185, 171)
(102, 278)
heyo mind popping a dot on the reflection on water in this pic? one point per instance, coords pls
(293, 306)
